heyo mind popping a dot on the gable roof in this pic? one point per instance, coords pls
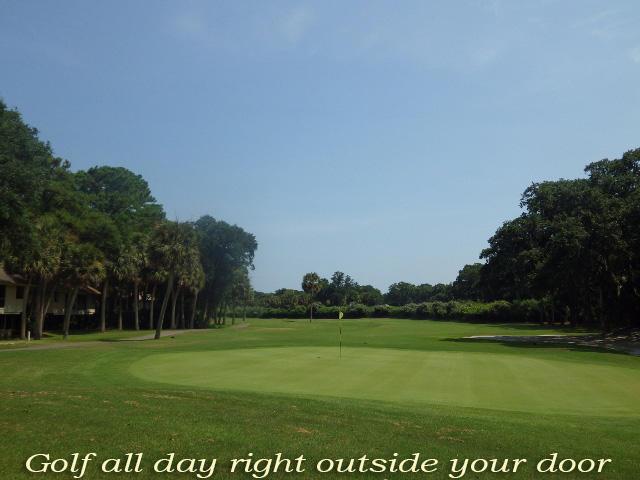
(5, 278)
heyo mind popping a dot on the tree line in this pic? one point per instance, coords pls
(572, 256)
(576, 246)
(341, 289)
(573, 253)
(62, 231)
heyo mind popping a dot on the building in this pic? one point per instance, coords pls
(12, 302)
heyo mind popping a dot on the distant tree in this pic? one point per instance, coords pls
(341, 289)
(467, 284)
(401, 293)
(424, 293)
(224, 249)
(311, 286)
(240, 293)
(369, 295)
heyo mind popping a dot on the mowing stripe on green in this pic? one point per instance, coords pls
(482, 380)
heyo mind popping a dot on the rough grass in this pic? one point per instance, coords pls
(92, 399)
(57, 337)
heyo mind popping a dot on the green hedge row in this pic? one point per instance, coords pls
(499, 311)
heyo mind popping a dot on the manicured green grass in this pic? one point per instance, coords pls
(402, 386)
(485, 380)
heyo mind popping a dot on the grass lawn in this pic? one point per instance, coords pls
(55, 337)
(402, 386)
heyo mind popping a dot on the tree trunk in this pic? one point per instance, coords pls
(38, 312)
(136, 317)
(244, 312)
(68, 309)
(174, 301)
(603, 320)
(163, 309)
(192, 320)
(311, 312)
(205, 313)
(45, 308)
(25, 306)
(119, 312)
(153, 302)
(181, 323)
(103, 306)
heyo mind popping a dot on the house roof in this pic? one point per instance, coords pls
(5, 278)
(17, 280)
(92, 290)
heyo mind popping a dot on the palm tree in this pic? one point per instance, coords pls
(194, 283)
(82, 267)
(240, 291)
(175, 249)
(311, 286)
(128, 270)
(45, 267)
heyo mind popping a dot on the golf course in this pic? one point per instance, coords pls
(269, 386)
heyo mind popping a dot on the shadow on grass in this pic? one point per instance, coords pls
(74, 333)
(97, 335)
(532, 344)
(561, 328)
(538, 326)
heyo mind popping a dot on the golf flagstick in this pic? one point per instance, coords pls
(340, 315)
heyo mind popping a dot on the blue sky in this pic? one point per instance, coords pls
(385, 139)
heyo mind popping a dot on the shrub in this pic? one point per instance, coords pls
(469, 311)
(327, 312)
(356, 310)
(407, 311)
(381, 311)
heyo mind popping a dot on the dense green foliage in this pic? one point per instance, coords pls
(496, 311)
(572, 256)
(576, 245)
(63, 231)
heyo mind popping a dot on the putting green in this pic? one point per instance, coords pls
(482, 380)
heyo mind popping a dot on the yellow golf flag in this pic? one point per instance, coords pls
(340, 315)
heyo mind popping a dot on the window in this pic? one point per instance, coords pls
(3, 292)
(19, 293)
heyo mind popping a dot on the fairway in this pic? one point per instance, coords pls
(280, 386)
(482, 380)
